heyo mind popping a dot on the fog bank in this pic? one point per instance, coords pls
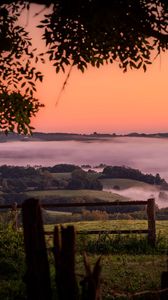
(146, 154)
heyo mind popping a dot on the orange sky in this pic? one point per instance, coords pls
(105, 99)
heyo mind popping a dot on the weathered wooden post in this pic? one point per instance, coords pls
(64, 253)
(151, 222)
(37, 276)
(66, 282)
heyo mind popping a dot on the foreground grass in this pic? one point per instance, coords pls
(12, 264)
(124, 270)
(127, 273)
(128, 263)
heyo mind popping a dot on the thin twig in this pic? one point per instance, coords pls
(64, 85)
(40, 11)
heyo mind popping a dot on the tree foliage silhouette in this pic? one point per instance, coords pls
(76, 33)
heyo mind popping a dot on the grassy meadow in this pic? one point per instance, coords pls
(123, 274)
(71, 194)
(161, 226)
(128, 264)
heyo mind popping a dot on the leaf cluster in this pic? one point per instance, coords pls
(16, 111)
(98, 32)
(17, 72)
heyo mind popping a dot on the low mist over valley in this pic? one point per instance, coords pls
(147, 154)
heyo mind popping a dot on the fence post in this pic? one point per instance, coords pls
(37, 276)
(151, 222)
(64, 253)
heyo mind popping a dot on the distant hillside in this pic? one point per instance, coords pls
(130, 173)
(149, 135)
(76, 195)
(41, 136)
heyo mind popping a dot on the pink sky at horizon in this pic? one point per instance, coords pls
(105, 99)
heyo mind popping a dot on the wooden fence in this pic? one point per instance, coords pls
(150, 204)
(37, 277)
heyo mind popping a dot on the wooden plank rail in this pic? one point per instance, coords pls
(79, 204)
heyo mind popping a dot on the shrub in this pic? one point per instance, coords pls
(11, 264)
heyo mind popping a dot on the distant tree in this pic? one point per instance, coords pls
(82, 180)
(17, 172)
(76, 33)
(62, 168)
(116, 187)
(158, 179)
(78, 179)
(17, 185)
(79, 174)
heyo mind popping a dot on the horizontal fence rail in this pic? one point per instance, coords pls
(78, 204)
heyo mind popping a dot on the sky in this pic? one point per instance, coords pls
(102, 100)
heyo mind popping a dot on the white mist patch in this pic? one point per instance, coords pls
(138, 193)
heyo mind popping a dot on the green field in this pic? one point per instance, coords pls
(71, 194)
(161, 226)
(126, 183)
